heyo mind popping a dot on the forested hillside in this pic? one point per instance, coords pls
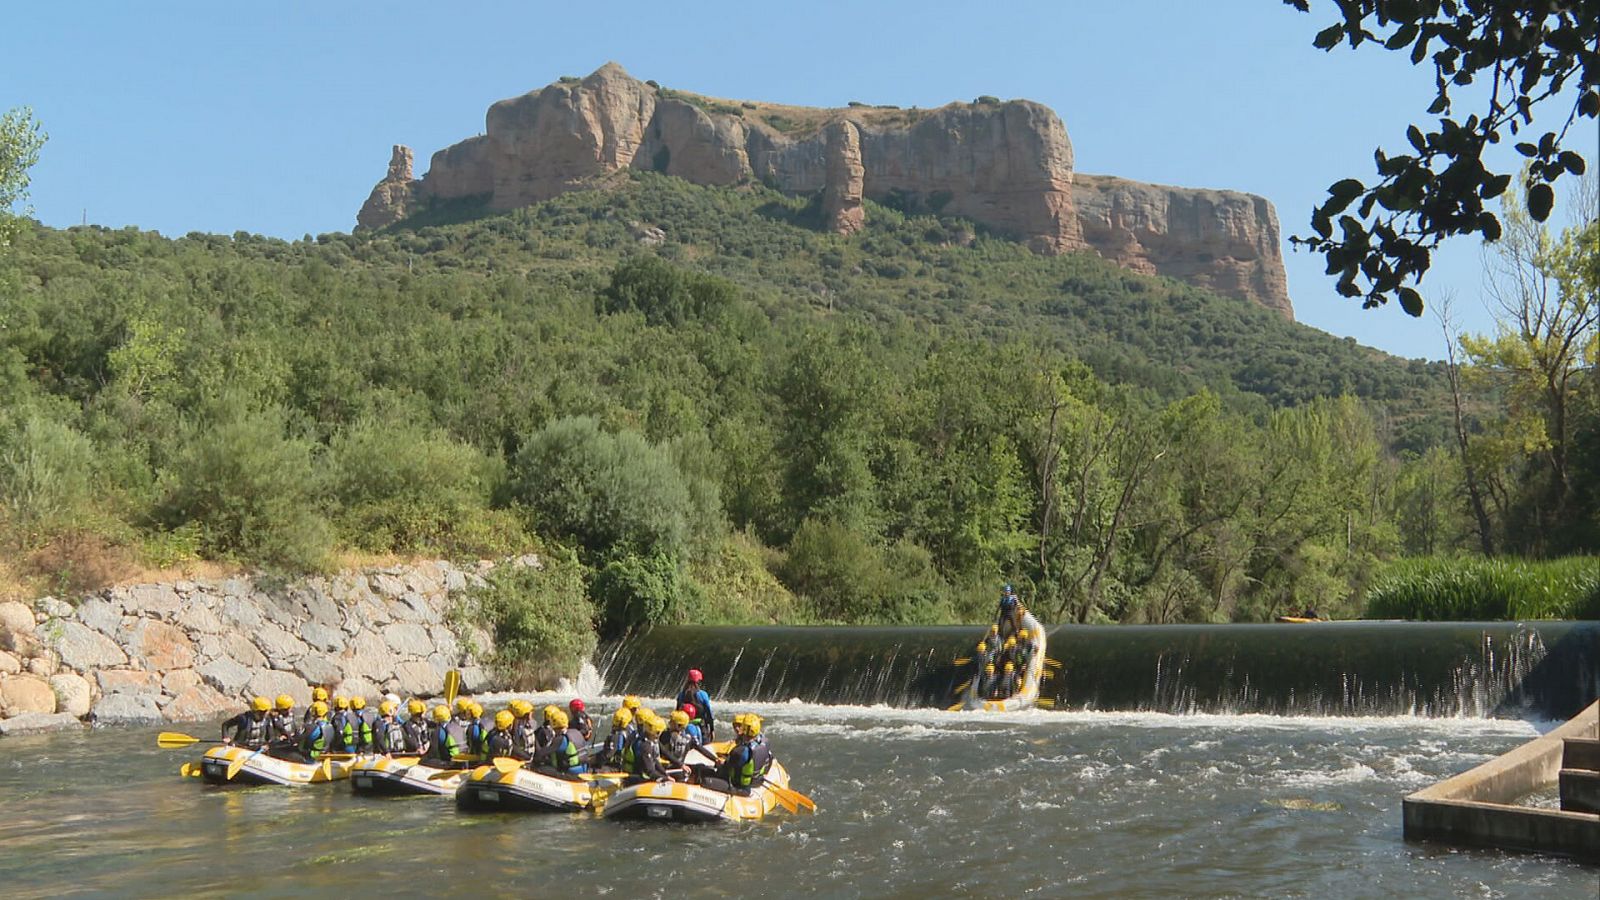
(708, 410)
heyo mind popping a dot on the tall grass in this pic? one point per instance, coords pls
(1438, 589)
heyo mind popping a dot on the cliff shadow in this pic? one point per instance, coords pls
(433, 213)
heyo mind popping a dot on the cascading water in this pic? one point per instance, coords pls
(1548, 669)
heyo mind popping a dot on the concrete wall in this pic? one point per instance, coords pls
(1476, 808)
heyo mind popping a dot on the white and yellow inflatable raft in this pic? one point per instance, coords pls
(259, 768)
(522, 790)
(680, 802)
(1027, 693)
(402, 775)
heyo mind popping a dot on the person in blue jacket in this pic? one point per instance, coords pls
(694, 693)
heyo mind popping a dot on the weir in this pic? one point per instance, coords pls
(1547, 670)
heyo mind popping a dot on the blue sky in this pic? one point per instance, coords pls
(278, 118)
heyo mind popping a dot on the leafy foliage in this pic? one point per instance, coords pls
(543, 622)
(1440, 589)
(1532, 52)
(21, 138)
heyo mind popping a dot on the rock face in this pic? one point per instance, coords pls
(391, 200)
(1222, 240)
(1006, 165)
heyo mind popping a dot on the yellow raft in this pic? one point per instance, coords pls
(522, 790)
(259, 768)
(1027, 694)
(680, 802)
(402, 775)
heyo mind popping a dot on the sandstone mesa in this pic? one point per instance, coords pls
(1006, 165)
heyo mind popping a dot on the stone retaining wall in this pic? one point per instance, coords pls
(196, 650)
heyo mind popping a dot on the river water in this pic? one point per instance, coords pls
(911, 803)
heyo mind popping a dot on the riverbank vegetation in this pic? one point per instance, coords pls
(1466, 590)
(752, 422)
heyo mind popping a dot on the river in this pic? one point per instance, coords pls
(911, 803)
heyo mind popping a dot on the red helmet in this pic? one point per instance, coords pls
(694, 675)
(689, 708)
(576, 705)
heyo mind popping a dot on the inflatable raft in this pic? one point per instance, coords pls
(680, 802)
(1027, 692)
(259, 768)
(522, 790)
(402, 775)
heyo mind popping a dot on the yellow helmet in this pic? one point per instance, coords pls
(621, 719)
(358, 703)
(988, 669)
(752, 724)
(983, 647)
(1010, 642)
(319, 708)
(504, 719)
(387, 708)
(1023, 633)
(341, 702)
(680, 718)
(631, 703)
(653, 726)
(285, 702)
(520, 707)
(441, 713)
(260, 704)
(1011, 667)
(320, 693)
(416, 707)
(463, 704)
(994, 629)
(556, 718)
(475, 709)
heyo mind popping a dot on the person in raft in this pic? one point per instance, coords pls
(564, 755)
(1011, 612)
(319, 693)
(417, 731)
(313, 738)
(610, 754)
(499, 741)
(249, 728)
(646, 761)
(580, 719)
(691, 728)
(361, 724)
(281, 723)
(448, 739)
(678, 741)
(694, 692)
(747, 763)
(388, 733)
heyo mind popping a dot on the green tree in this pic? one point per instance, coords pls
(1532, 53)
(21, 138)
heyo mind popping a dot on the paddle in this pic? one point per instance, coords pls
(189, 770)
(172, 740)
(791, 796)
(452, 686)
(963, 660)
(505, 765)
(238, 762)
(447, 773)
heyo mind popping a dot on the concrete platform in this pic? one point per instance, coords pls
(1478, 807)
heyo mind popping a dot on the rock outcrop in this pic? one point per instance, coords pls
(1222, 240)
(1006, 165)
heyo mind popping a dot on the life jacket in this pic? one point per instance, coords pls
(343, 733)
(645, 757)
(416, 735)
(449, 741)
(476, 736)
(389, 737)
(568, 753)
(748, 763)
(675, 745)
(523, 737)
(314, 741)
(499, 743)
(582, 722)
(249, 730)
(281, 726)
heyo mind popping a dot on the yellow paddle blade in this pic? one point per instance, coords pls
(785, 801)
(962, 687)
(1045, 702)
(1054, 664)
(505, 765)
(963, 660)
(237, 763)
(172, 740)
(956, 707)
(326, 768)
(447, 773)
(452, 686)
(189, 770)
(795, 797)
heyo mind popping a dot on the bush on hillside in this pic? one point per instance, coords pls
(638, 591)
(542, 622)
(46, 477)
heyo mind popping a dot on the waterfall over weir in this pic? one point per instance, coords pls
(1500, 669)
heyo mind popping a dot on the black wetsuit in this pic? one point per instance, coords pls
(250, 729)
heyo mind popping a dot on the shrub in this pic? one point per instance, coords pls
(637, 591)
(847, 578)
(1441, 589)
(664, 293)
(249, 489)
(542, 622)
(46, 476)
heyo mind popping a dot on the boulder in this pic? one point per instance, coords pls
(102, 615)
(321, 609)
(160, 646)
(16, 618)
(391, 199)
(9, 665)
(127, 709)
(128, 681)
(85, 649)
(198, 703)
(158, 601)
(280, 647)
(386, 586)
(322, 637)
(444, 641)
(408, 639)
(477, 680)
(318, 668)
(416, 679)
(197, 618)
(368, 656)
(361, 687)
(23, 694)
(270, 683)
(44, 665)
(53, 608)
(73, 694)
(411, 606)
(32, 722)
(226, 675)
(238, 612)
(179, 680)
(238, 648)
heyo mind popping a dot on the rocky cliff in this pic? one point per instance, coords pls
(1007, 165)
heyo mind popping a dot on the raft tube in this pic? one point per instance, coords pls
(259, 768)
(402, 776)
(1027, 694)
(679, 802)
(522, 790)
